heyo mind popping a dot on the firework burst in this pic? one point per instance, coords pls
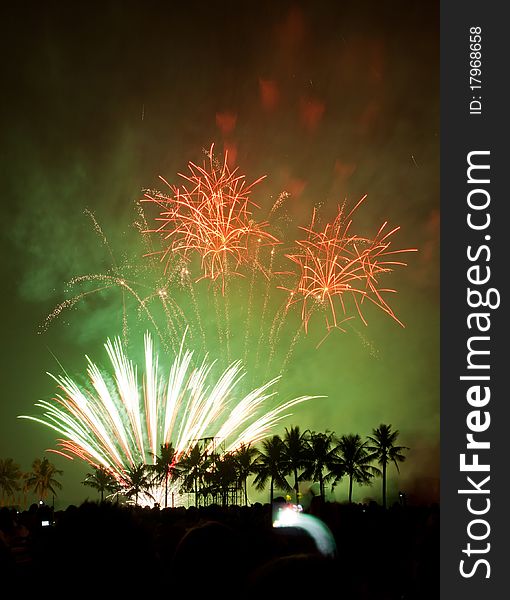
(210, 218)
(119, 422)
(211, 215)
(335, 264)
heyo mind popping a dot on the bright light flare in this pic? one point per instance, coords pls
(292, 516)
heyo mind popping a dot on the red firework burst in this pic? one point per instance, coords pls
(335, 264)
(210, 214)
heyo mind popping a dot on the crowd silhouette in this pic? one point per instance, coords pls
(231, 551)
(223, 544)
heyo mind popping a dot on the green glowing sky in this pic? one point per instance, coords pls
(330, 100)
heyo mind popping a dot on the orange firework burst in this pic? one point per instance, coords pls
(335, 264)
(210, 214)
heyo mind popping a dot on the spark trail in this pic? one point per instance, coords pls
(211, 215)
(119, 420)
(335, 265)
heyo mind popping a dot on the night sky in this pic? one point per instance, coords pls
(330, 100)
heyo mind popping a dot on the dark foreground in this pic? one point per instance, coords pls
(231, 552)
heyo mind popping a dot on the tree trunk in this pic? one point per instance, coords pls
(296, 485)
(166, 489)
(350, 489)
(272, 489)
(321, 487)
(102, 495)
(245, 492)
(384, 485)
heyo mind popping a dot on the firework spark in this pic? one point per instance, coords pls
(118, 422)
(209, 217)
(211, 214)
(334, 264)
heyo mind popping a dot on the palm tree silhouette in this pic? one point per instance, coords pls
(102, 480)
(354, 461)
(10, 476)
(192, 467)
(42, 478)
(268, 466)
(322, 454)
(295, 454)
(245, 457)
(382, 446)
(165, 467)
(137, 480)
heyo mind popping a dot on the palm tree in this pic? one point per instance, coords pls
(25, 489)
(166, 466)
(322, 454)
(102, 480)
(10, 475)
(192, 467)
(42, 478)
(295, 454)
(269, 466)
(137, 480)
(382, 444)
(245, 457)
(354, 461)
